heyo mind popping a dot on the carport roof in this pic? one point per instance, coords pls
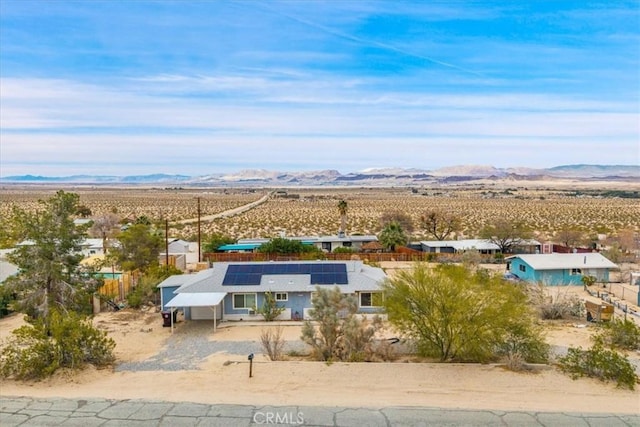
(198, 299)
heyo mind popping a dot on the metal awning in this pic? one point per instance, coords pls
(196, 299)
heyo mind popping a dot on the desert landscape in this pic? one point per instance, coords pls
(145, 349)
(223, 377)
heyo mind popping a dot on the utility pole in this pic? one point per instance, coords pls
(166, 243)
(199, 235)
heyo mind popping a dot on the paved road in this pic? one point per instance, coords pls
(22, 411)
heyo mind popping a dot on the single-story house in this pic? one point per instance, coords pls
(560, 269)
(481, 245)
(324, 243)
(236, 290)
(182, 254)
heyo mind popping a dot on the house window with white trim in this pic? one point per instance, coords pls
(282, 296)
(244, 301)
(370, 299)
(576, 271)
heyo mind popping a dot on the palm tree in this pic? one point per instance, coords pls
(392, 235)
(342, 209)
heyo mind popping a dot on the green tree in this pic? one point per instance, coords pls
(282, 246)
(392, 235)
(342, 210)
(505, 234)
(83, 211)
(49, 260)
(440, 224)
(138, 247)
(215, 241)
(454, 314)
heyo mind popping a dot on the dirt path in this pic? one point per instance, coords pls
(230, 212)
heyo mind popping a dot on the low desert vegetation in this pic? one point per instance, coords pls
(601, 363)
(272, 342)
(56, 341)
(336, 333)
(454, 314)
(546, 212)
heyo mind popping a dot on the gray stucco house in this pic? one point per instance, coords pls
(233, 290)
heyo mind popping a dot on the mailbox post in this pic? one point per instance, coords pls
(250, 365)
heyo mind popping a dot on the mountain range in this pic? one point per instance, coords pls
(373, 176)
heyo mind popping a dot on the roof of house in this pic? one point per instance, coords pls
(563, 261)
(316, 239)
(466, 244)
(280, 276)
(461, 245)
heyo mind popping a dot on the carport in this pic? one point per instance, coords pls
(197, 299)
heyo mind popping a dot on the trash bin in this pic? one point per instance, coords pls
(166, 318)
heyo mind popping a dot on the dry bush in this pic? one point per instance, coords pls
(272, 342)
(555, 302)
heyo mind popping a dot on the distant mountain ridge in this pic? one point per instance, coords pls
(371, 176)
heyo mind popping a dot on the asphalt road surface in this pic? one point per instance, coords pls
(24, 411)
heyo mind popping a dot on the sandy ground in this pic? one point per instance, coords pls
(223, 378)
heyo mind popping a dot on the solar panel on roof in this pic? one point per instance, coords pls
(321, 273)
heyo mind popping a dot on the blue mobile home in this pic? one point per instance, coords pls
(234, 290)
(560, 269)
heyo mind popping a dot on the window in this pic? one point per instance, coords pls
(370, 299)
(522, 267)
(346, 244)
(326, 246)
(244, 301)
(576, 271)
(281, 296)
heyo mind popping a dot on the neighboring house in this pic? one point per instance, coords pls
(88, 247)
(560, 269)
(481, 245)
(324, 243)
(182, 254)
(92, 247)
(330, 243)
(235, 290)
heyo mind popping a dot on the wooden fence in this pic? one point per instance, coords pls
(118, 289)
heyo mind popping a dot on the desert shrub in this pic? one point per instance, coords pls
(453, 313)
(598, 362)
(523, 343)
(270, 309)
(340, 334)
(343, 250)
(61, 341)
(272, 342)
(623, 334)
(555, 303)
(356, 343)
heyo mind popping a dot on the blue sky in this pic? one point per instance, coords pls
(203, 87)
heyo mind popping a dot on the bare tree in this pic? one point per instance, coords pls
(405, 221)
(440, 224)
(570, 237)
